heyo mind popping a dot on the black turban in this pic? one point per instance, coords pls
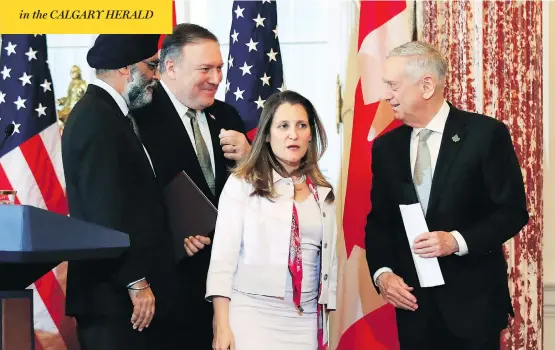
(114, 51)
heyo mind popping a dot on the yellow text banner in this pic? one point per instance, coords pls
(86, 17)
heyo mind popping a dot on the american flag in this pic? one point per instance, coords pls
(254, 65)
(31, 163)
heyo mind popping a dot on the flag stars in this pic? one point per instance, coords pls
(20, 103)
(239, 11)
(32, 55)
(252, 45)
(282, 87)
(227, 85)
(230, 62)
(2, 97)
(238, 94)
(268, 1)
(16, 128)
(41, 110)
(235, 36)
(259, 103)
(10, 48)
(46, 85)
(265, 80)
(6, 73)
(25, 79)
(259, 21)
(272, 55)
(246, 69)
(275, 32)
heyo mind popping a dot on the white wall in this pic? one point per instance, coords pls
(65, 50)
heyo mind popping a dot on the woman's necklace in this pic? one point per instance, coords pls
(300, 180)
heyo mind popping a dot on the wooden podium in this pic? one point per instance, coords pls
(32, 242)
(17, 320)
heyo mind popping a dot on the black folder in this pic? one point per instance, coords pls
(190, 212)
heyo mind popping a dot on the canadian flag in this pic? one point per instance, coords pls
(364, 320)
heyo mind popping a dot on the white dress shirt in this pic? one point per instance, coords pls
(202, 124)
(437, 125)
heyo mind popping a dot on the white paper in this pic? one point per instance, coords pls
(428, 270)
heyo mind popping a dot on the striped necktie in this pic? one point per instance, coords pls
(202, 151)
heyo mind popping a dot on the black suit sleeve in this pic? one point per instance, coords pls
(503, 181)
(379, 245)
(232, 118)
(104, 183)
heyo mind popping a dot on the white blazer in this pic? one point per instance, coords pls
(251, 243)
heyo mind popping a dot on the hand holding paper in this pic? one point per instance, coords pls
(435, 244)
(427, 269)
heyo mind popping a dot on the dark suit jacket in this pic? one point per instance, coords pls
(171, 151)
(477, 189)
(170, 147)
(110, 182)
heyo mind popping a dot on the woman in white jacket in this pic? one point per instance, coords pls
(273, 270)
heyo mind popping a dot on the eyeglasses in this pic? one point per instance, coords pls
(152, 65)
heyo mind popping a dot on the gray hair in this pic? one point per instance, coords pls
(425, 59)
(102, 73)
(182, 34)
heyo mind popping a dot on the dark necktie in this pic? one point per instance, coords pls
(134, 126)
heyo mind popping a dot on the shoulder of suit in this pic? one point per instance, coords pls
(474, 119)
(92, 109)
(222, 105)
(224, 108)
(391, 136)
(226, 115)
(92, 117)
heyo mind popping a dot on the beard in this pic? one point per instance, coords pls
(138, 90)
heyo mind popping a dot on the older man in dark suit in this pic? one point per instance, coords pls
(186, 128)
(462, 169)
(110, 182)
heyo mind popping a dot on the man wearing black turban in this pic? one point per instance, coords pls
(110, 182)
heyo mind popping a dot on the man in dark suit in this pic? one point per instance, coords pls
(110, 182)
(462, 169)
(186, 128)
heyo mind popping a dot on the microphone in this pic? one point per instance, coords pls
(8, 131)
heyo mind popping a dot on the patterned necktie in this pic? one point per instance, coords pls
(423, 170)
(202, 152)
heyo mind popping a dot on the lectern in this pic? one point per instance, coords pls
(32, 242)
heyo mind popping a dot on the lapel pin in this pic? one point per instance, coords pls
(456, 138)
(211, 116)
